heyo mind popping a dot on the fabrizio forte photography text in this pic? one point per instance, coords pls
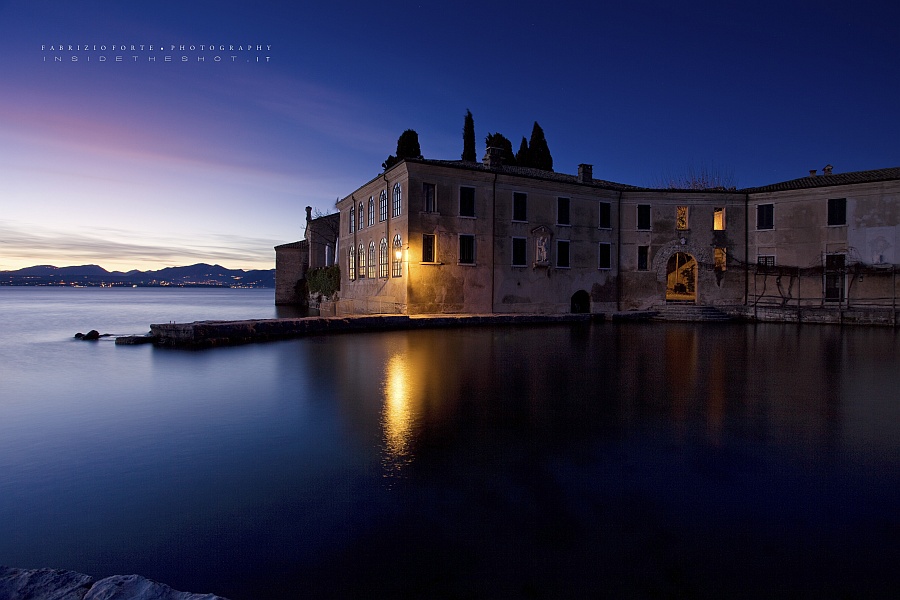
(163, 53)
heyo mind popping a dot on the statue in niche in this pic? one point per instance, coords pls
(540, 254)
(541, 246)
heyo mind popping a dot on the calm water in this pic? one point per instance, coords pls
(636, 460)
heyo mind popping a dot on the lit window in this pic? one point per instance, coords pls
(397, 200)
(562, 254)
(520, 207)
(428, 248)
(643, 216)
(605, 219)
(370, 263)
(604, 260)
(361, 257)
(382, 207)
(371, 211)
(837, 211)
(428, 193)
(467, 249)
(519, 246)
(351, 264)
(681, 217)
(562, 211)
(397, 259)
(720, 262)
(467, 202)
(719, 219)
(383, 259)
(765, 216)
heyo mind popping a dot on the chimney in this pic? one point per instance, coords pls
(812, 172)
(585, 173)
(827, 170)
(309, 213)
(492, 159)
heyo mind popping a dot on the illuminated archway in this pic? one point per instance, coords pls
(681, 278)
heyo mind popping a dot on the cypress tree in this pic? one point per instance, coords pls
(522, 154)
(468, 152)
(538, 151)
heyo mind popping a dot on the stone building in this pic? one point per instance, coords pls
(294, 260)
(433, 236)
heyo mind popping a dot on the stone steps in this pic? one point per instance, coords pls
(689, 312)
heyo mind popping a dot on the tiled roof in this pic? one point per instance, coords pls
(522, 172)
(815, 181)
(300, 244)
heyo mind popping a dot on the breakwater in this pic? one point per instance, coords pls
(207, 334)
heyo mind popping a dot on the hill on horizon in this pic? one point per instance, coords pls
(200, 274)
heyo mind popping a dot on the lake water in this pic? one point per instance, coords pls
(627, 460)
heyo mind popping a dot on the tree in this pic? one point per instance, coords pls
(407, 147)
(698, 177)
(538, 151)
(498, 140)
(468, 152)
(522, 154)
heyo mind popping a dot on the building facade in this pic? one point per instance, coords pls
(430, 236)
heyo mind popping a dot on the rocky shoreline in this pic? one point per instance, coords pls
(58, 584)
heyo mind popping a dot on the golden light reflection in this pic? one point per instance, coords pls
(398, 414)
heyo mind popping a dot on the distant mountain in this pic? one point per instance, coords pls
(92, 275)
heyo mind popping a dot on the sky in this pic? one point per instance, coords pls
(165, 156)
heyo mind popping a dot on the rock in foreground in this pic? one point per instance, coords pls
(55, 584)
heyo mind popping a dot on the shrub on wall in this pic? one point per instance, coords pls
(324, 280)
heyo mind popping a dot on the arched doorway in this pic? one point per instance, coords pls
(681, 278)
(581, 302)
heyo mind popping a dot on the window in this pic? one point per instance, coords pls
(397, 259)
(562, 254)
(643, 258)
(765, 216)
(361, 257)
(562, 211)
(362, 216)
(518, 252)
(467, 249)
(351, 264)
(370, 264)
(834, 277)
(428, 193)
(520, 206)
(371, 211)
(352, 219)
(643, 216)
(467, 202)
(428, 248)
(764, 262)
(604, 256)
(397, 200)
(719, 219)
(382, 207)
(383, 259)
(605, 220)
(720, 259)
(681, 218)
(837, 211)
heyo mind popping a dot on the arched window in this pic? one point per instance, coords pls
(371, 211)
(361, 256)
(397, 259)
(382, 207)
(371, 263)
(361, 215)
(351, 264)
(383, 259)
(352, 219)
(397, 199)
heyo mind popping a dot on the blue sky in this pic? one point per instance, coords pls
(145, 164)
